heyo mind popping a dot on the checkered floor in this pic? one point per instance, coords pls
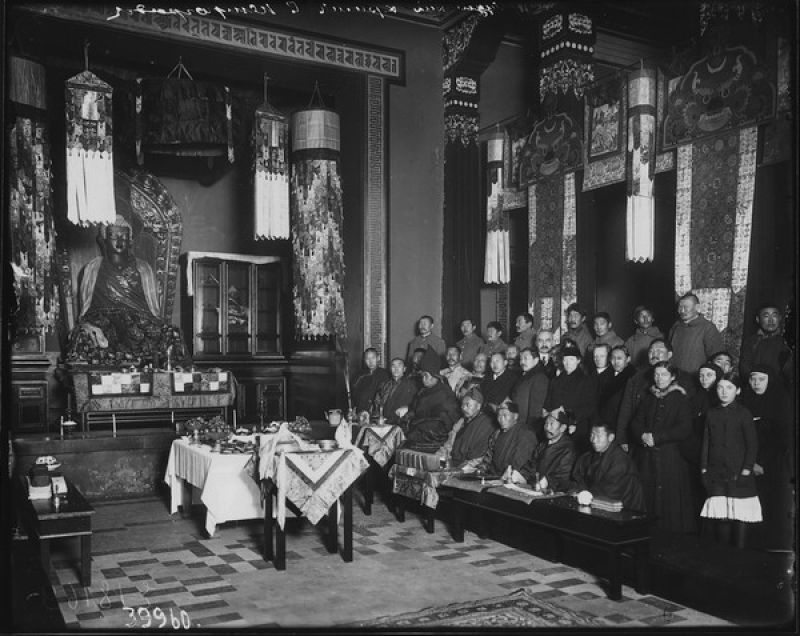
(165, 571)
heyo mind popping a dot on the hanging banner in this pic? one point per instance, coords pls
(90, 166)
(497, 268)
(271, 178)
(317, 224)
(713, 221)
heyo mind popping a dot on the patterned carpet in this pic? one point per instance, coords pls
(518, 609)
(168, 573)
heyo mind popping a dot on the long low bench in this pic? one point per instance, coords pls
(614, 532)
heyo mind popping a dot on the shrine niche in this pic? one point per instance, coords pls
(146, 204)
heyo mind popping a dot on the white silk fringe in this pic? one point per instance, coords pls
(90, 187)
(271, 206)
(498, 261)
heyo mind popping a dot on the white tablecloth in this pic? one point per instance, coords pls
(227, 489)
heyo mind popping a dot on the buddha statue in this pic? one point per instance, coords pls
(119, 320)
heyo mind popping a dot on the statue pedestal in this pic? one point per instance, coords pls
(111, 399)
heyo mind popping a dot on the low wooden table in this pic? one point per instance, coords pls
(614, 532)
(44, 522)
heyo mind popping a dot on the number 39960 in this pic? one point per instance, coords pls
(144, 618)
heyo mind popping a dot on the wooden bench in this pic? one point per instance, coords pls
(45, 521)
(614, 532)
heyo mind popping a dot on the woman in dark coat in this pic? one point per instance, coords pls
(662, 421)
(766, 399)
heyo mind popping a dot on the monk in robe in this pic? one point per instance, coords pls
(395, 393)
(119, 320)
(469, 438)
(550, 467)
(367, 384)
(607, 471)
(434, 410)
(510, 446)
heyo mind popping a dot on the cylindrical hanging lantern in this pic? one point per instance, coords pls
(640, 159)
(317, 224)
(497, 268)
(90, 165)
(271, 178)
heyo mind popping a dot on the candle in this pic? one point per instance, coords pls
(114, 424)
(234, 419)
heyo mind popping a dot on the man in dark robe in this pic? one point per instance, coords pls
(610, 395)
(768, 346)
(497, 384)
(576, 391)
(395, 393)
(550, 467)
(469, 438)
(530, 390)
(120, 312)
(577, 330)
(607, 471)
(367, 384)
(433, 411)
(510, 446)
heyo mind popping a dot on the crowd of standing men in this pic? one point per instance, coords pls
(664, 424)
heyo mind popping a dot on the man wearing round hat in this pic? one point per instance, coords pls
(433, 411)
(510, 446)
(576, 391)
(550, 467)
(469, 438)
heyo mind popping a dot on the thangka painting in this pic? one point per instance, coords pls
(554, 145)
(728, 88)
(516, 135)
(605, 126)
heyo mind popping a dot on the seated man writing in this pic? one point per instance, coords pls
(119, 320)
(509, 447)
(469, 438)
(550, 467)
(606, 471)
(434, 410)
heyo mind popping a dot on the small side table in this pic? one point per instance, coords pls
(44, 522)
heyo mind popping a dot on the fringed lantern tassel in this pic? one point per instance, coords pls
(271, 180)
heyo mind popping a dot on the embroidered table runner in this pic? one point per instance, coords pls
(311, 479)
(380, 442)
(417, 484)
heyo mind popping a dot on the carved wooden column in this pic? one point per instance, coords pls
(468, 48)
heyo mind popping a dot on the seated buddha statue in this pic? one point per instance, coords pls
(119, 320)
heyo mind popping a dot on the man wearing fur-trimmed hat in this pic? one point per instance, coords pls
(550, 467)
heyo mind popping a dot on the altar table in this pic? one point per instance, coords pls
(226, 484)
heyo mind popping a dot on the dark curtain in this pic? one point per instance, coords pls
(463, 244)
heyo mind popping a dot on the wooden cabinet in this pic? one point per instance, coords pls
(31, 390)
(233, 314)
(236, 308)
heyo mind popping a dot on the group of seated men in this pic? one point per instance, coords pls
(554, 416)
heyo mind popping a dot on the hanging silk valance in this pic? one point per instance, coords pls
(271, 176)
(90, 166)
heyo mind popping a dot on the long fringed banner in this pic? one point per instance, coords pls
(271, 179)
(713, 223)
(33, 238)
(90, 166)
(497, 268)
(552, 240)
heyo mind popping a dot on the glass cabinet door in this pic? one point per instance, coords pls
(237, 315)
(207, 323)
(268, 290)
